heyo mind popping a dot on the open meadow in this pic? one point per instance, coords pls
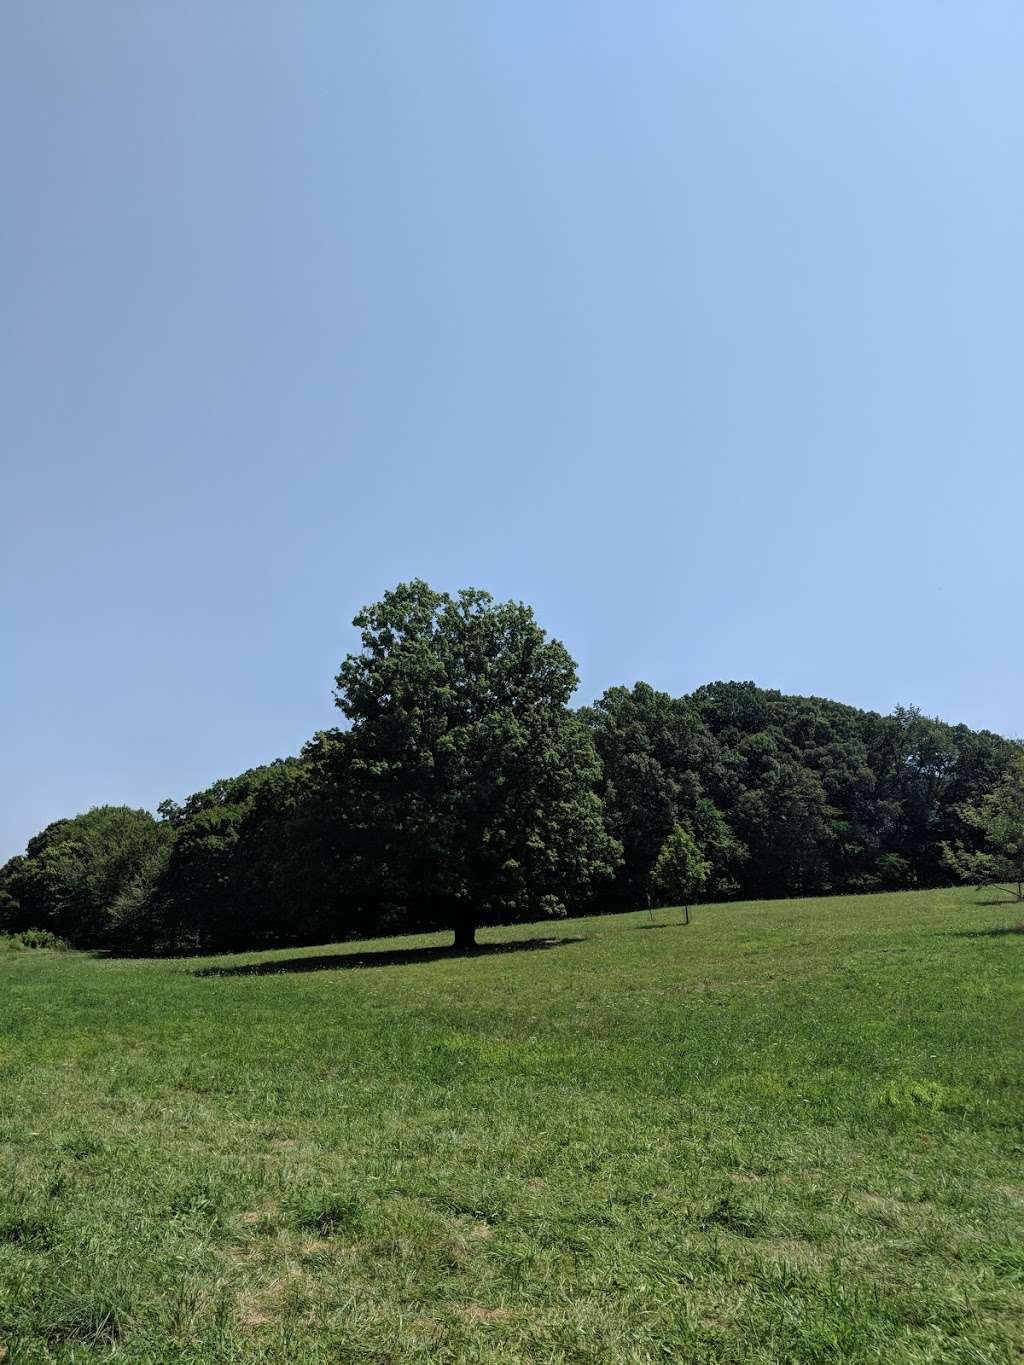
(791, 1131)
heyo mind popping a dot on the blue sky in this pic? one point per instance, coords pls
(697, 326)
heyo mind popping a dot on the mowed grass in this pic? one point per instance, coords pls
(791, 1131)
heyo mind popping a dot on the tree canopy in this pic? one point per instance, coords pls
(680, 871)
(73, 872)
(464, 751)
(999, 818)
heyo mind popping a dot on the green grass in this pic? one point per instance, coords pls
(789, 1132)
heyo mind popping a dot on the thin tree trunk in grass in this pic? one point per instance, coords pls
(465, 935)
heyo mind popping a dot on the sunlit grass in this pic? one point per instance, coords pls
(791, 1131)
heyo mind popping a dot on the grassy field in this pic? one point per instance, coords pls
(788, 1132)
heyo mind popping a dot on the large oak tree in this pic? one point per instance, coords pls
(480, 783)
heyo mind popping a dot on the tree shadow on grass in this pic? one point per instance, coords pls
(998, 932)
(391, 957)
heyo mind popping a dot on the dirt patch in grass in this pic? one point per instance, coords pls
(474, 1312)
(259, 1307)
(426, 1327)
(259, 1218)
(255, 1317)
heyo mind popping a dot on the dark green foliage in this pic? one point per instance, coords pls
(73, 872)
(476, 782)
(788, 795)
(245, 868)
(999, 819)
(656, 753)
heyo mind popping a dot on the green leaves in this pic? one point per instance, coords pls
(74, 870)
(999, 819)
(681, 872)
(467, 759)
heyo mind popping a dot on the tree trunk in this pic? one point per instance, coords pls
(465, 936)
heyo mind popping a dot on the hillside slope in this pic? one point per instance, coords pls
(790, 1131)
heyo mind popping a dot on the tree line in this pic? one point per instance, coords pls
(464, 789)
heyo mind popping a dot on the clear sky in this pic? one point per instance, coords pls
(695, 325)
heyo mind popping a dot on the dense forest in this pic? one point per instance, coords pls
(464, 789)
